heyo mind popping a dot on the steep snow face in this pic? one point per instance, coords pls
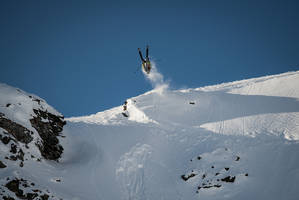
(235, 140)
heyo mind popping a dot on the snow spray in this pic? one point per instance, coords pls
(156, 79)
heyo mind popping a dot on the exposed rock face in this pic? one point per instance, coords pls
(19, 132)
(20, 188)
(48, 126)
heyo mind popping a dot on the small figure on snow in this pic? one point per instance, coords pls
(146, 64)
(125, 111)
(125, 106)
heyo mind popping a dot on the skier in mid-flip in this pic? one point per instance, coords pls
(146, 64)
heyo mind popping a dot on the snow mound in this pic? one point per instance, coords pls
(116, 116)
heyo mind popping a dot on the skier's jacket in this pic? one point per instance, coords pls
(146, 66)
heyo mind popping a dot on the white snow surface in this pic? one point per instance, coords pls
(245, 129)
(18, 105)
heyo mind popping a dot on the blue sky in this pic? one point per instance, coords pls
(81, 56)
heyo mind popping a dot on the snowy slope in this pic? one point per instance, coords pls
(235, 140)
(244, 131)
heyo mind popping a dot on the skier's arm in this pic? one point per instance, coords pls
(140, 54)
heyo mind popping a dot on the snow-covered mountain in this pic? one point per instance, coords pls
(235, 140)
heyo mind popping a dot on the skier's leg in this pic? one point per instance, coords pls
(140, 54)
(147, 53)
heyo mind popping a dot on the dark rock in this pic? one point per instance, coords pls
(198, 157)
(7, 105)
(20, 155)
(2, 165)
(229, 179)
(186, 178)
(25, 184)
(238, 158)
(217, 174)
(48, 131)
(191, 102)
(246, 174)
(37, 100)
(5, 139)
(203, 176)
(226, 168)
(208, 186)
(18, 131)
(14, 187)
(8, 198)
(14, 158)
(13, 148)
(31, 196)
(44, 197)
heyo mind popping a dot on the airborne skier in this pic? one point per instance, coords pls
(146, 64)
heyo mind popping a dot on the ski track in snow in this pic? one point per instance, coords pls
(130, 172)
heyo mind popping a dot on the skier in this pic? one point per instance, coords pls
(146, 64)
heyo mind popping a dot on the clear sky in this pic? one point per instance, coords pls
(81, 56)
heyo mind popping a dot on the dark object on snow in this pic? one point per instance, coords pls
(185, 178)
(125, 106)
(125, 114)
(226, 168)
(238, 158)
(192, 102)
(48, 131)
(19, 132)
(2, 165)
(229, 179)
(146, 64)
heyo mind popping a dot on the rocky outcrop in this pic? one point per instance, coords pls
(49, 127)
(215, 175)
(25, 189)
(19, 132)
